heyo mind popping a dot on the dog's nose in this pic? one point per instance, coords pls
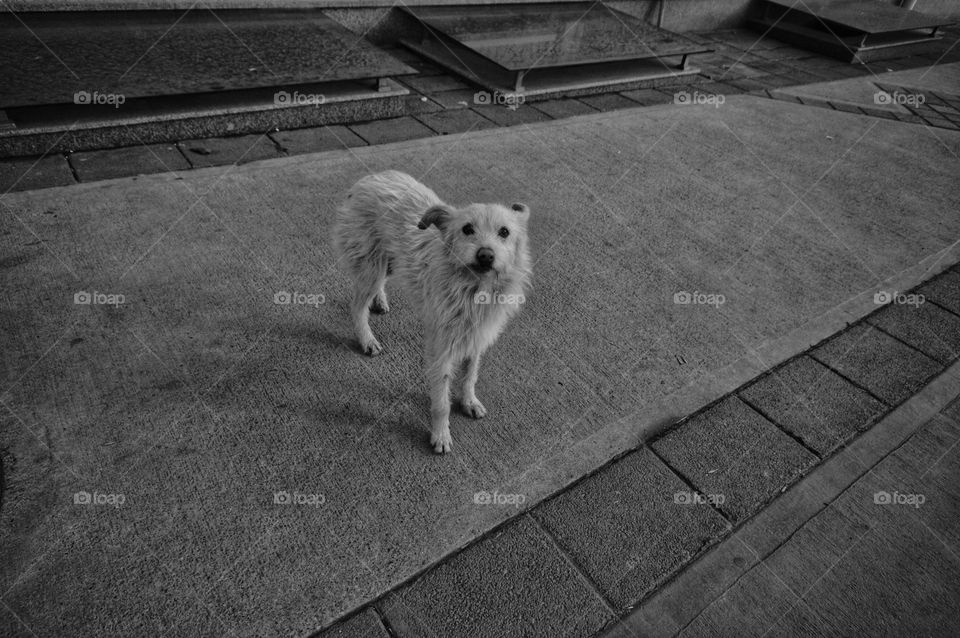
(485, 257)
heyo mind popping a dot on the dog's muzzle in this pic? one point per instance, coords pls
(483, 260)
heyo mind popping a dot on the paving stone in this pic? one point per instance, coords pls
(608, 101)
(513, 583)
(877, 362)
(561, 108)
(219, 151)
(366, 624)
(649, 97)
(944, 291)
(927, 327)
(461, 99)
(456, 121)
(317, 139)
(813, 403)
(433, 83)
(952, 411)
(416, 104)
(504, 116)
(732, 451)
(846, 108)
(625, 527)
(29, 173)
(396, 129)
(123, 162)
(747, 84)
(910, 118)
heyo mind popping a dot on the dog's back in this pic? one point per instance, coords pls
(379, 217)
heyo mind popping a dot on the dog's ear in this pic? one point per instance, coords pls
(437, 215)
(522, 210)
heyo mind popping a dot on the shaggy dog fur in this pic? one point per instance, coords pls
(467, 270)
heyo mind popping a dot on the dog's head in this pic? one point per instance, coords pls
(486, 239)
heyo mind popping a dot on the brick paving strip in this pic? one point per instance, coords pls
(645, 544)
(441, 105)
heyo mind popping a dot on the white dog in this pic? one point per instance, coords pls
(467, 276)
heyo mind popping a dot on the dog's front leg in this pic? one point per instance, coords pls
(468, 398)
(439, 372)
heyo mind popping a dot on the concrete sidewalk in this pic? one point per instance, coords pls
(197, 400)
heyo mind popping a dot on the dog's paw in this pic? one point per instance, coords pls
(474, 409)
(372, 348)
(379, 305)
(442, 443)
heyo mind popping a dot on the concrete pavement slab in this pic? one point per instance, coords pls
(205, 400)
(734, 457)
(398, 129)
(514, 583)
(504, 116)
(944, 291)
(316, 139)
(876, 361)
(220, 151)
(865, 89)
(456, 99)
(365, 624)
(124, 162)
(648, 517)
(874, 561)
(813, 403)
(562, 108)
(775, 528)
(455, 121)
(608, 101)
(927, 327)
(30, 173)
(649, 97)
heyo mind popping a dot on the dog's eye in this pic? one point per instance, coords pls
(468, 229)
(504, 232)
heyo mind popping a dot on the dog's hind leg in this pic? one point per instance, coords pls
(439, 372)
(370, 275)
(468, 398)
(380, 305)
